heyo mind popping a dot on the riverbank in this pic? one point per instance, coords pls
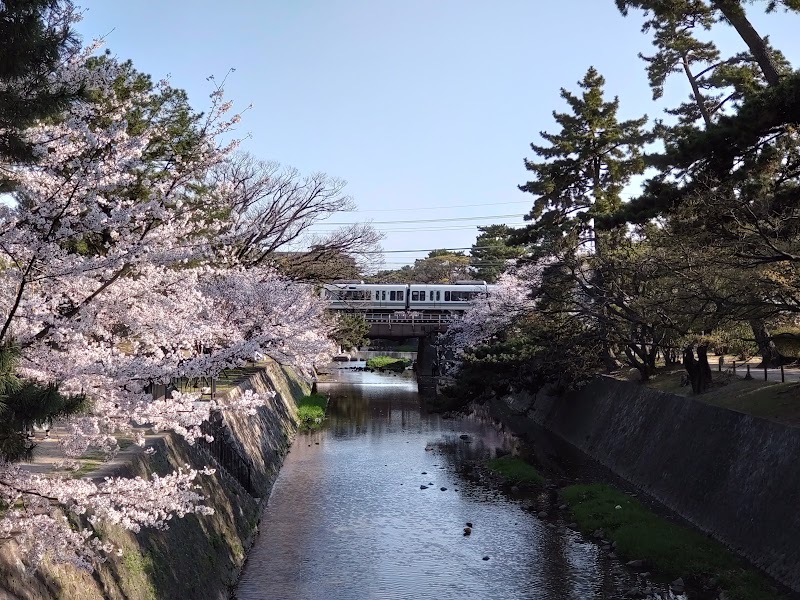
(198, 557)
(662, 553)
(311, 411)
(729, 474)
(387, 363)
(685, 558)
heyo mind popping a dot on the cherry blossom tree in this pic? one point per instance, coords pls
(116, 272)
(509, 300)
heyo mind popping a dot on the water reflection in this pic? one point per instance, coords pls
(348, 519)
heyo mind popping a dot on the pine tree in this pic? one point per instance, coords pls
(492, 251)
(585, 168)
(35, 35)
(734, 145)
(25, 404)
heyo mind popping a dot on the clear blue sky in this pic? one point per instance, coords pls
(421, 105)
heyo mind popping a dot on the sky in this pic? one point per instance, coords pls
(426, 107)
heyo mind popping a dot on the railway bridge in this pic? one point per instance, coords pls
(399, 325)
(406, 310)
(425, 326)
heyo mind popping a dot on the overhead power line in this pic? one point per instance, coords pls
(432, 228)
(516, 216)
(528, 202)
(428, 250)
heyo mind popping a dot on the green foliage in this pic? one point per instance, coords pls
(669, 549)
(351, 331)
(515, 470)
(584, 167)
(318, 264)
(539, 350)
(311, 411)
(25, 404)
(787, 341)
(31, 46)
(733, 338)
(387, 362)
(492, 251)
(440, 266)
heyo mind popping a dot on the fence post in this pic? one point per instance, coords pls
(721, 361)
(765, 371)
(734, 367)
(748, 376)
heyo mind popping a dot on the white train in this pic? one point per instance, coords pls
(357, 295)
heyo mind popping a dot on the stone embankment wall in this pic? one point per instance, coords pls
(732, 475)
(197, 557)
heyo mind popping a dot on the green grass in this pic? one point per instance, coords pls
(387, 362)
(515, 470)
(766, 399)
(670, 550)
(311, 411)
(87, 466)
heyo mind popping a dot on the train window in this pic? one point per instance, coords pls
(447, 296)
(355, 295)
(401, 295)
(460, 296)
(438, 296)
(415, 296)
(392, 295)
(383, 295)
(422, 296)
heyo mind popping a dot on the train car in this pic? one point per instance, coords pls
(360, 296)
(445, 297)
(366, 296)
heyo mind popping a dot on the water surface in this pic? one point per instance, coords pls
(347, 518)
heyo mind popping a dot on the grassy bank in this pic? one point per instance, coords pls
(766, 399)
(387, 362)
(515, 470)
(311, 411)
(667, 549)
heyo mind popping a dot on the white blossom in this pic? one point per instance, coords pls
(509, 300)
(153, 300)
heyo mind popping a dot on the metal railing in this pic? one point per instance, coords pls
(225, 452)
(402, 317)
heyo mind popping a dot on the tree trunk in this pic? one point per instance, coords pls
(770, 356)
(636, 363)
(670, 357)
(734, 13)
(698, 96)
(698, 369)
(608, 356)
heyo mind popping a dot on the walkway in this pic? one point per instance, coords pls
(791, 374)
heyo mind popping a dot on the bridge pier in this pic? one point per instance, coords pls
(426, 327)
(427, 359)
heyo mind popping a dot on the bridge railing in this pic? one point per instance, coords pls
(401, 317)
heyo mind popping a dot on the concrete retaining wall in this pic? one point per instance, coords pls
(732, 475)
(197, 558)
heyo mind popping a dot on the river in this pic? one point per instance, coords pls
(347, 518)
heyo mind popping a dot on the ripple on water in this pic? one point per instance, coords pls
(347, 518)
